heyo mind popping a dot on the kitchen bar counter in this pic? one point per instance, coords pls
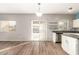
(59, 33)
(70, 43)
(66, 31)
(72, 35)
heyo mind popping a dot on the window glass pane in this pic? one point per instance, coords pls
(7, 26)
(36, 29)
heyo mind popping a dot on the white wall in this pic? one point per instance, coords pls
(23, 25)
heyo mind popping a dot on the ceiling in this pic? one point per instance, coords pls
(46, 8)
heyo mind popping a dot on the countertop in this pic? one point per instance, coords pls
(71, 35)
(66, 31)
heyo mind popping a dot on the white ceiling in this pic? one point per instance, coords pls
(46, 8)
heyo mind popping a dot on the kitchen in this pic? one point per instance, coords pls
(39, 28)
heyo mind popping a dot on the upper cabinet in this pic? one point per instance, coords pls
(76, 23)
(58, 25)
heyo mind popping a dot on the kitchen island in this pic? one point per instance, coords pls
(70, 43)
(57, 35)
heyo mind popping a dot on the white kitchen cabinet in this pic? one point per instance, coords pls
(54, 37)
(70, 45)
(76, 23)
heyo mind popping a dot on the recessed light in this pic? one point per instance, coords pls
(70, 9)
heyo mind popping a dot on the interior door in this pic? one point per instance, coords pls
(38, 30)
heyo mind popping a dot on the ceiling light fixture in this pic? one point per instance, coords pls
(39, 13)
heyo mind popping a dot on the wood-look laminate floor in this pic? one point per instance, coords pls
(31, 48)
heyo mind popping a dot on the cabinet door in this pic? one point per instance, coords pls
(69, 44)
(63, 25)
(54, 37)
(76, 23)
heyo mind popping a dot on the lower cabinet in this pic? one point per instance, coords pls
(54, 37)
(70, 45)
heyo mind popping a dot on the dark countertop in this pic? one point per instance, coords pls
(61, 32)
(71, 35)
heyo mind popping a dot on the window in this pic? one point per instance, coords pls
(7, 26)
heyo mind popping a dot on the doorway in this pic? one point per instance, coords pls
(39, 30)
